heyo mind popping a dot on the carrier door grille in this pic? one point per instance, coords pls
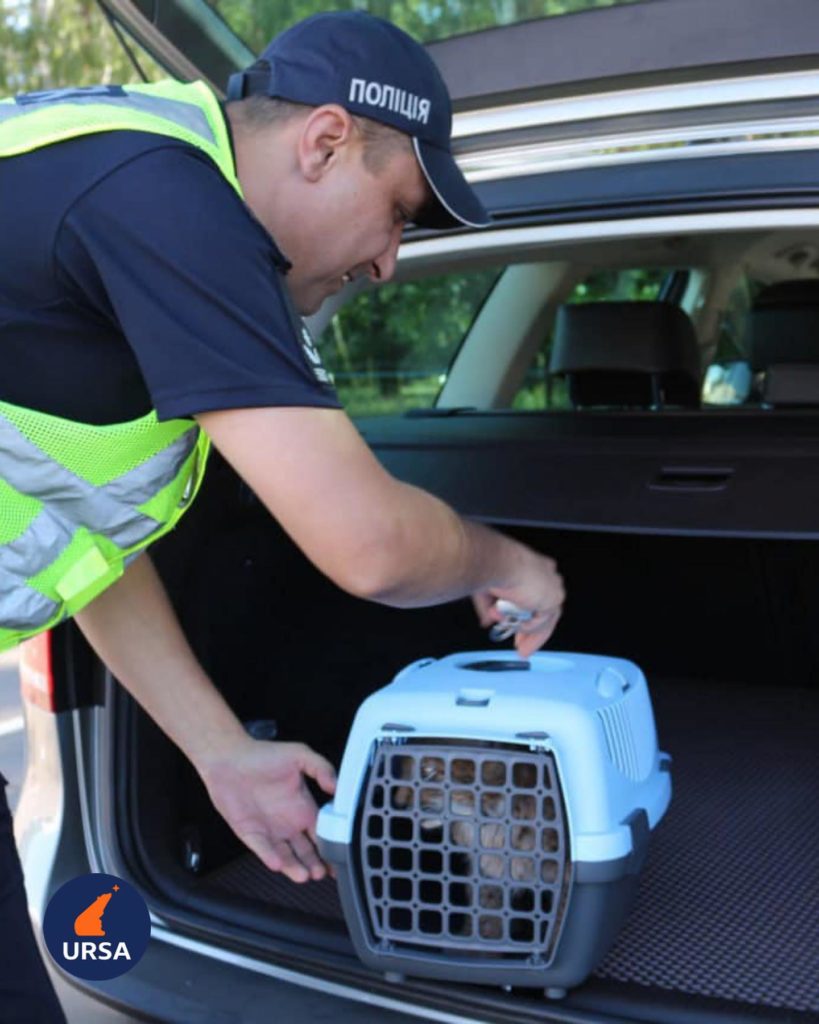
(464, 848)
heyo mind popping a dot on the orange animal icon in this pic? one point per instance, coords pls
(89, 922)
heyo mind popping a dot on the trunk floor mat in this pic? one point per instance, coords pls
(728, 900)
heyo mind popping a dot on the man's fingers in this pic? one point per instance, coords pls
(308, 855)
(531, 640)
(263, 849)
(319, 769)
(313, 834)
(291, 865)
(277, 856)
(297, 858)
(542, 622)
(484, 604)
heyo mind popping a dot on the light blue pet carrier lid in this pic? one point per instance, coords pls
(592, 713)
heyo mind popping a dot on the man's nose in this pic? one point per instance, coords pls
(383, 266)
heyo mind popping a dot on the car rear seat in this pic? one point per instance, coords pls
(626, 355)
(784, 343)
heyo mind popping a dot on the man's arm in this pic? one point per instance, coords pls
(377, 537)
(257, 786)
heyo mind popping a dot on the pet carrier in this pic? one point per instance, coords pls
(492, 815)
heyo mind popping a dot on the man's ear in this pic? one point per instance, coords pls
(326, 132)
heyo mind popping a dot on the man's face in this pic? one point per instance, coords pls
(351, 226)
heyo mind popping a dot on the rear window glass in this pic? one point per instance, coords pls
(392, 347)
(539, 390)
(729, 380)
(389, 349)
(257, 21)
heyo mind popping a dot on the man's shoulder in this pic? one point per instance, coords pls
(102, 153)
(49, 181)
(73, 167)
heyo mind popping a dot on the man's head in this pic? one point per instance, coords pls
(380, 142)
(342, 134)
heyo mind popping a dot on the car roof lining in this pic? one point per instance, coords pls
(776, 254)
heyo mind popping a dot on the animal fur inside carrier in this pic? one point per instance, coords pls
(492, 816)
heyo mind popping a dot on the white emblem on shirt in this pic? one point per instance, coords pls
(313, 357)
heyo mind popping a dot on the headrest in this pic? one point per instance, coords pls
(792, 384)
(784, 325)
(627, 353)
(800, 292)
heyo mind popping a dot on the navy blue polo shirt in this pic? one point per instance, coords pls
(132, 276)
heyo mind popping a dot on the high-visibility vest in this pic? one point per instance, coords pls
(78, 501)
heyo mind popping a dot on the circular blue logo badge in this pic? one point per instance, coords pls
(96, 927)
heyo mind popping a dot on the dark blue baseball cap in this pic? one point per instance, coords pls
(373, 69)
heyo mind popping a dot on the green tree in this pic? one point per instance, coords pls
(398, 333)
(257, 21)
(46, 44)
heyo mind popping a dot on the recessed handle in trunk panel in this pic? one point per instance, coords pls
(692, 479)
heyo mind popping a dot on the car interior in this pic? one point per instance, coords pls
(755, 293)
(655, 432)
(624, 374)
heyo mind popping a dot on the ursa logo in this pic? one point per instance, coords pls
(96, 927)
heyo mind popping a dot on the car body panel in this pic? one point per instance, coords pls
(704, 132)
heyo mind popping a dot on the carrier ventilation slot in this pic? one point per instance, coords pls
(620, 740)
(464, 848)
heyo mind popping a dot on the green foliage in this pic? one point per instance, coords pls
(257, 21)
(395, 342)
(390, 348)
(639, 285)
(45, 44)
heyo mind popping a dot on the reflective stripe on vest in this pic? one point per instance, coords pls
(186, 115)
(67, 533)
(186, 111)
(111, 514)
(110, 510)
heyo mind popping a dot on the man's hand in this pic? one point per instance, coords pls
(538, 589)
(375, 536)
(258, 787)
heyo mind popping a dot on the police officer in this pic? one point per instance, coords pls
(155, 260)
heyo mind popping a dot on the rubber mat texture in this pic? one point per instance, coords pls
(728, 905)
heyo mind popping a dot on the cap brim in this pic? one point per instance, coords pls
(456, 204)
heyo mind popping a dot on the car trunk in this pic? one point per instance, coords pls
(725, 920)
